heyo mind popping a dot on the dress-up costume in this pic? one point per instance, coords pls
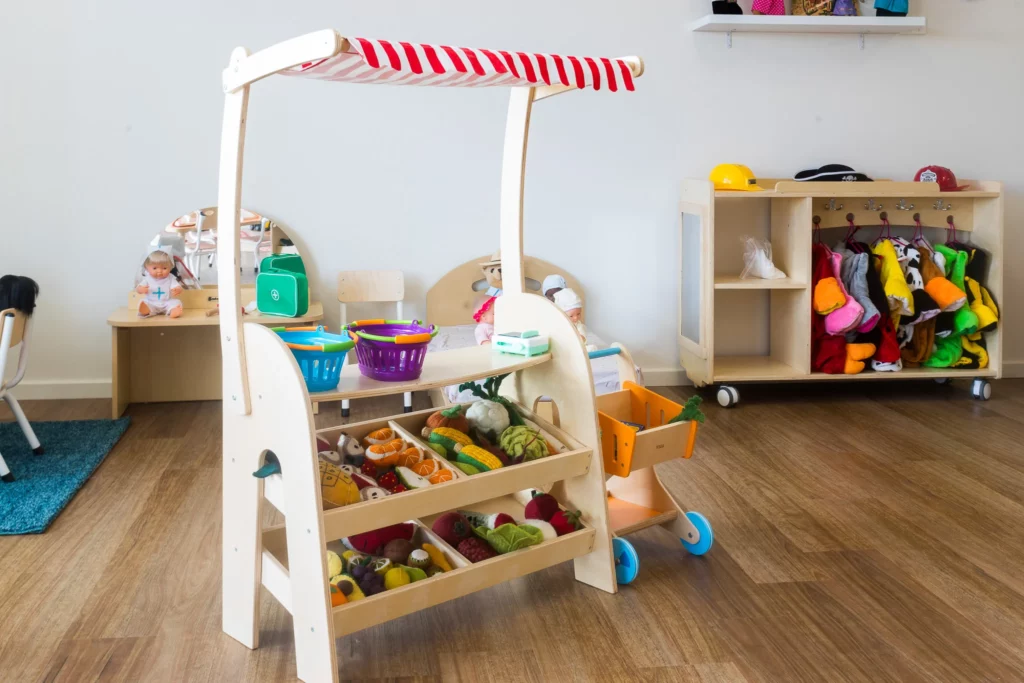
(854, 275)
(158, 298)
(901, 302)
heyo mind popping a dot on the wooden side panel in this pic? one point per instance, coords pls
(988, 234)
(355, 286)
(790, 316)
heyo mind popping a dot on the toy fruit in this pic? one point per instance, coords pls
(523, 443)
(337, 597)
(398, 488)
(410, 456)
(379, 436)
(369, 469)
(452, 528)
(426, 467)
(545, 528)
(439, 449)
(415, 573)
(346, 583)
(387, 480)
(410, 479)
(488, 521)
(467, 468)
(441, 476)
(361, 481)
(385, 454)
(371, 583)
(476, 550)
(381, 565)
(434, 570)
(541, 506)
(451, 439)
(449, 417)
(488, 418)
(333, 457)
(371, 542)
(396, 578)
(322, 445)
(419, 558)
(334, 564)
(351, 450)
(372, 493)
(478, 458)
(398, 551)
(336, 487)
(566, 522)
(437, 557)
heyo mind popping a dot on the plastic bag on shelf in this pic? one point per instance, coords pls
(757, 260)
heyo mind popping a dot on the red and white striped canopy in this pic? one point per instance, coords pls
(399, 63)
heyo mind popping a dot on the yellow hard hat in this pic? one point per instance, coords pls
(734, 177)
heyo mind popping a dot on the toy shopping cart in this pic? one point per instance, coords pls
(636, 435)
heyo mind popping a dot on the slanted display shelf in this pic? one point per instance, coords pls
(752, 23)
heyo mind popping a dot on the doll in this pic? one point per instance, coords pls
(492, 274)
(484, 318)
(572, 305)
(18, 292)
(552, 285)
(774, 7)
(158, 287)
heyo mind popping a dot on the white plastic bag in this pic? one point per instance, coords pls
(757, 260)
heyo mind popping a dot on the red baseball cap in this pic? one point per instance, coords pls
(941, 175)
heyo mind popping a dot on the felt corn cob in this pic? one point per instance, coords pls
(451, 439)
(478, 458)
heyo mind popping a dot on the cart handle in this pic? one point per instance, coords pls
(601, 353)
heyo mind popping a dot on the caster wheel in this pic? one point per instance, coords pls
(981, 389)
(627, 562)
(7, 478)
(942, 380)
(407, 409)
(38, 451)
(727, 396)
(702, 544)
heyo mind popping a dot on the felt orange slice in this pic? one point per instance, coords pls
(379, 436)
(425, 468)
(440, 476)
(385, 454)
(409, 457)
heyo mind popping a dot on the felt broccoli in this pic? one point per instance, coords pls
(691, 411)
(489, 392)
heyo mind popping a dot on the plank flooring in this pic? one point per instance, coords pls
(862, 533)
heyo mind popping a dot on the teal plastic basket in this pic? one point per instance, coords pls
(319, 353)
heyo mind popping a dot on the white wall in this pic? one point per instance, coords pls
(110, 117)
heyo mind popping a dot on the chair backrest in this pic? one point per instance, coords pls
(364, 286)
(16, 318)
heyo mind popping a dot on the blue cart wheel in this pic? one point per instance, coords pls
(707, 537)
(627, 562)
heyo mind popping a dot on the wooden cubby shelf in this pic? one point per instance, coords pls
(735, 282)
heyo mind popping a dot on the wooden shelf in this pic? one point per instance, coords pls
(909, 373)
(735, 282)
(750, 23)
(440, 369)
(753, 369)
(625, 517)
(191, 317)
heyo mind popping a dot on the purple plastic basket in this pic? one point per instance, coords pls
(391, 350)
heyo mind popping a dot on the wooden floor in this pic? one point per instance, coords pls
(863, 533)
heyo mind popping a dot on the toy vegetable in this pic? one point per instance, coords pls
(523, 443)
(489, 392)
(449, 417)
(489, 418)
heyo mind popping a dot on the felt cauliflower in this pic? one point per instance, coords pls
(489, 418)
(523, 444)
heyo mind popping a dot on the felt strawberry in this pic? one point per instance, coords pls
(541, 506)
(565, 522)
(398, 488)
(452, 528)
(369, 469)
(388, 480)
(476, 550)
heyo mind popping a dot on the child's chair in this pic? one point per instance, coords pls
(16, 329)
(371, 286)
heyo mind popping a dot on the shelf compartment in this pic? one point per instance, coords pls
(735, 282)
(754, 369)
(909, 373)
(722, 23)
(625, 517)
(440, 369)
(466, 579)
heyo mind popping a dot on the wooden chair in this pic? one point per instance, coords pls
(16, 329)
(371, 286)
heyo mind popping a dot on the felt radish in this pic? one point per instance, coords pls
(452, 528)
(566, 522)
(489, 521)
(542, 506)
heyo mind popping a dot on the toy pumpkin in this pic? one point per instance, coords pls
(449, 417)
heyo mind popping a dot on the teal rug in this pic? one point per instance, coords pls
(44, 484)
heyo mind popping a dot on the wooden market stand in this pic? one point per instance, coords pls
(267, 407)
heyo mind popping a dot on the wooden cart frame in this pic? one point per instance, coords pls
(267, 407)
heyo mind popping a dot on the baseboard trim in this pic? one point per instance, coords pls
(1013, 368)
(665, 377)
(30, 390)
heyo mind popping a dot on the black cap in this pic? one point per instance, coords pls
(831, 173)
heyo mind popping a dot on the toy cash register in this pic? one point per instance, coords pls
(529, 343)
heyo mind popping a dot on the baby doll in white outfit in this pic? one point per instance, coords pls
(572, 305)
(158, 287)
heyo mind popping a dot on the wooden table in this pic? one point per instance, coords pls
(161, 359)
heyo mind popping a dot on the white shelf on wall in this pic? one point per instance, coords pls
(752, 23)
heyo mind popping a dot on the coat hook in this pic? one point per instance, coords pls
(903, 206)
(831, 206)
(939, 207)
(870, 205)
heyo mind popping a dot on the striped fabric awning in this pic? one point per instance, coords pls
(400, 63)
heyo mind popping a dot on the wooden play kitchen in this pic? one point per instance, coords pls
(267, 407)
(734, 330)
